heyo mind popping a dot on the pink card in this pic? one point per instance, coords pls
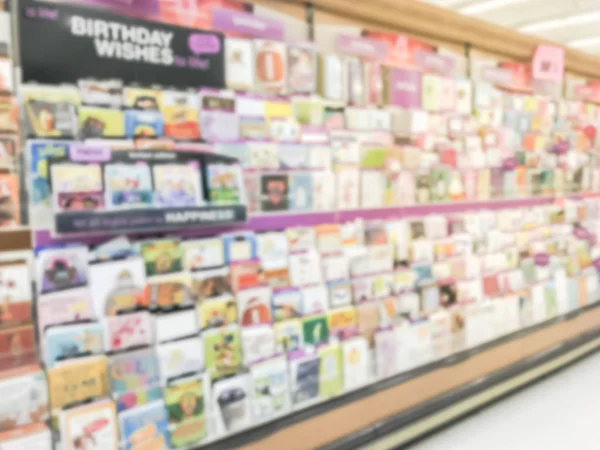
(63, 307)
(127, 331)
(404, 88)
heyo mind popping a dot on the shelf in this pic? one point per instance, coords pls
(341, 422)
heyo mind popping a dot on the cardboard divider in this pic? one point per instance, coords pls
(323, 429)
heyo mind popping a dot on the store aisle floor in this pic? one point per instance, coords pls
(558, 413)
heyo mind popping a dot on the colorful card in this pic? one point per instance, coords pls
(9, 150)
(270, 63)
(331, 380)
(161, 256)
(50, 111)
(177, 185)
(61, 268)
(185, 402)
(270, 388)
(315, 329)
(127, 186)
(144, 99)
(239, 247)
(78, 380)
(254, 306)
(180, 112)
(225, 184)
(223, 349)
(231, 403)
(97, 122)
(342, 322)
(145, 426)
(89, 426)
(246, 275)
(273, 250)
(288, 335)
(63, 307)
(169, 291)
(274, 190)
(135, 378)
(71, 341)
(118, 286)
(127, 331)
(76, 187)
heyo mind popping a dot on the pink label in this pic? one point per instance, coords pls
(434, 62)
(496, 75)
(541, 259)
(405, 88)
(510, 163)
(364, 47)
(89, 153)
(248, 24)
(548, 63)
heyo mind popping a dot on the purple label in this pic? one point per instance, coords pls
(581, 233)
(496, 75)
(596, 263)
(510, 163)
(561, 147)
(541, 259)
(204, 43)
(432, 61)
(248, 24)
(140, 8)
(89, 153)
(359, 46)
(405, 88)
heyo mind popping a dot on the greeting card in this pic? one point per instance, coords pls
(246, 274)
(342, 322)
(258, 342)
(314, 300)
(331, 380)
(231, 403)
(223, 350)
(180, 112)
(239, 246)
(287, 304)
(180, 358)
(169, 291)
(203, 253)
(301, 239)
(270, 63)
(302, 266)
(355, 362)
(15, 294)
(340, 293)
(263, 155)
(61, 268)
(273, 250)
(72, 341)
(186, 406)
(94, 424)
(270, 388)
(145, 425)
(34, 437)
(323, 192)
(143, 124)
(101, 122)
(301, 192)
(331, 76)
(239, 58)
(127, 331)
(117, 286)
(315, 329)
(127, 186)
(135, 378)
(177, 185)
(76, 187)
(101, 93)
(288, 335)
(254, 306)
(225, 184)
(304, 378)
(49, 111)
(274, 191)
(25, 397)
(142, 98)
(218, 119)
(217, 312)
(77, 380)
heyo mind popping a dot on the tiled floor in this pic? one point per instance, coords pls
(559, 413)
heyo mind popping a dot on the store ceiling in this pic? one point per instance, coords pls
(574, 23)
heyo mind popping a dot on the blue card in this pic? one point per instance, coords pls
(301, 192)
(143, 123)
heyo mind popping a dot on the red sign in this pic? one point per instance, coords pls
(401, 49)
(521, 76)
(548, 63)
(193, 13)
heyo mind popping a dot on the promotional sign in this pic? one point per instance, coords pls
(108, 45)
(521, 76)
(401, 50)
(357, 46)
(548, 63)
(243, 23)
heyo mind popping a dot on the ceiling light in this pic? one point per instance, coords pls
(585, 42)
(488, 5)
(578, 19)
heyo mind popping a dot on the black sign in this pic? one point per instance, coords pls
(149, 219)
(64, 43)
